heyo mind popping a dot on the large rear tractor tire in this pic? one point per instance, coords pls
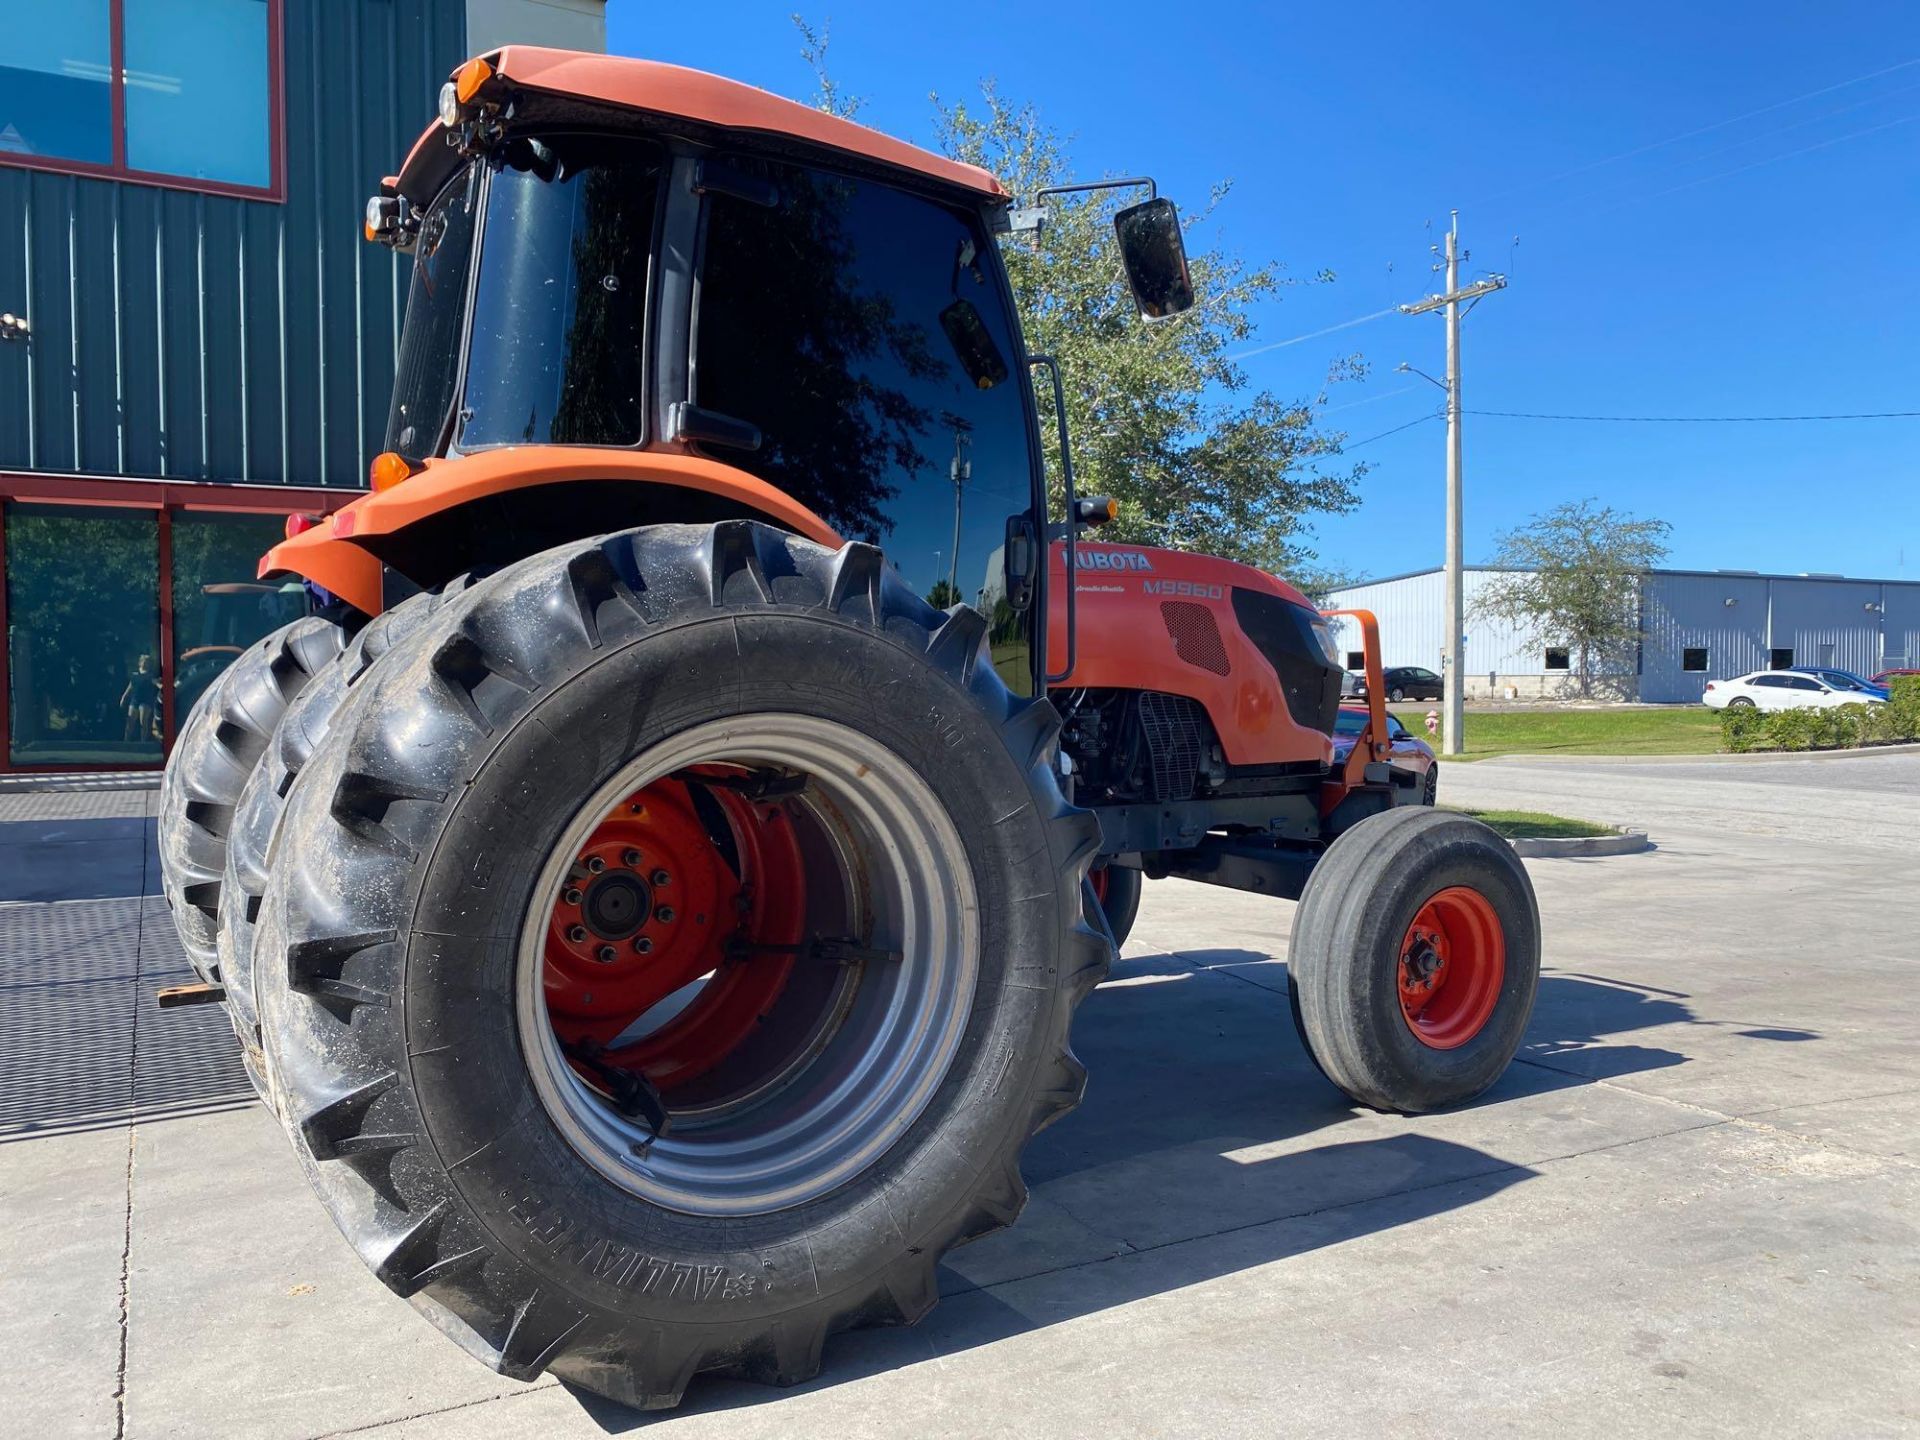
(1414, 960)
(674, 946)
(217, 750)
(256, 822)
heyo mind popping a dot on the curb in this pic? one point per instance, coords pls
(1628, 841)
(1751, 757)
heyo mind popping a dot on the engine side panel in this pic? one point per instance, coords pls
(1165, 620)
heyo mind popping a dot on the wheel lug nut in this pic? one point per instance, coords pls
(665, 912)
(643, 946)
(660, 877)
(595, 864)
(571, 896)
(630, 859)
(605, 954)
(576, 933)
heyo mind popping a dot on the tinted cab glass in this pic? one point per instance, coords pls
(862, 331)
(559, 306)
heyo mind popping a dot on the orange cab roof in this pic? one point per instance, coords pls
(710, 100)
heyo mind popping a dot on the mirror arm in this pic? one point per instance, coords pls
(1066, 481)
(1027, 219)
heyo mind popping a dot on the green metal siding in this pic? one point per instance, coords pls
(204, 337)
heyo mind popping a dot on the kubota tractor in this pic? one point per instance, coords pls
(656, 925)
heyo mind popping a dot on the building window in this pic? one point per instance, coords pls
(1356, 660)
(194, 102)
(1780, 659)
(83, 636)
(1694, 657)
(219, 605)
(1558, 658)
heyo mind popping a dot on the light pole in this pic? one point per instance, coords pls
(1451, 661)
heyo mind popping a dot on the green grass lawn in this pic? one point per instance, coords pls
(1535, 825)
(1679, 730)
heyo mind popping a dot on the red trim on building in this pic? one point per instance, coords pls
(6, 687)
(165, 659)
(275, 190)
(166, 497)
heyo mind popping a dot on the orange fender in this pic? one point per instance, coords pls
(333, 555)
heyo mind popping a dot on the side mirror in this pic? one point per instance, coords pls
(1155, 258)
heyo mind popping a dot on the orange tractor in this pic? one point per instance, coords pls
(657, 926)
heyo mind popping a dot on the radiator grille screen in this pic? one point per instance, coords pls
(1176, 731)
(1195, 635)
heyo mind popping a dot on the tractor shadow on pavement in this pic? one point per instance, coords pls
(1208, 1145)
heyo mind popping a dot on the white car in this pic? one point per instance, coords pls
(1780, 690)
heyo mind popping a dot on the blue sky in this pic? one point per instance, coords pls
(1767, 264)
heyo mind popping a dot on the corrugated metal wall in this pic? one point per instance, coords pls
(1682, 611)
(1411, 611)
(202, 337)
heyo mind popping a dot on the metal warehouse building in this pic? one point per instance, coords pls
(1695, 626)
(194, 337)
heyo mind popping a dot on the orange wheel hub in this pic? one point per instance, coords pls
(1453, 962)
(684, 881)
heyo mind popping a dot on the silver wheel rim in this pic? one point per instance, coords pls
(878, 1051)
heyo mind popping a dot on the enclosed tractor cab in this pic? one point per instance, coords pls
(657, 909)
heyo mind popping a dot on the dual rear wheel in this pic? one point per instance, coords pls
(666, 952)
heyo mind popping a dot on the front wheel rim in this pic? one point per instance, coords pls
(1452, 965)
(841, 1053)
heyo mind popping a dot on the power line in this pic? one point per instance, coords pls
(1433, 415)
(1312, 334)
(1706, 129)
(1699, 419)
(1369, 400)
(1769, 160)
(1602, 192)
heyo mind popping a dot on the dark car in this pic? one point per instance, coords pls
(1885, 677)
(1408, 682)
(1842, 680)
(1408, 750)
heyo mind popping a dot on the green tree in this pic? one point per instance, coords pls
(1572, 577)
(942, 593)
(1161, 416)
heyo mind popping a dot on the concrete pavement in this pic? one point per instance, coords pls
(1692, 1206)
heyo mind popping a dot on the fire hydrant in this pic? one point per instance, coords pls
(1433, 722)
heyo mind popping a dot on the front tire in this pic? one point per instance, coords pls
(1414, 960)
(446, 929)
(1115, 892)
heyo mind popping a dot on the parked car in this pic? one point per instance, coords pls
(1408, 750)
(1840, 679)
(1352, 683)
(1886, 676)
(1408, 682)
(1783, 690)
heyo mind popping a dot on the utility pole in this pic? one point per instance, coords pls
(960, 471)
(1453, 670)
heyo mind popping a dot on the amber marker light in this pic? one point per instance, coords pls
(469, 78)
(388, 470)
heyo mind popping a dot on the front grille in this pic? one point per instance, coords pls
(1195, 635)
(1176, 731)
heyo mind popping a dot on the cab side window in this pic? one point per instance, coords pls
(861, 332)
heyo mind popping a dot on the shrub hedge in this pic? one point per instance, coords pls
(1844, 727)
